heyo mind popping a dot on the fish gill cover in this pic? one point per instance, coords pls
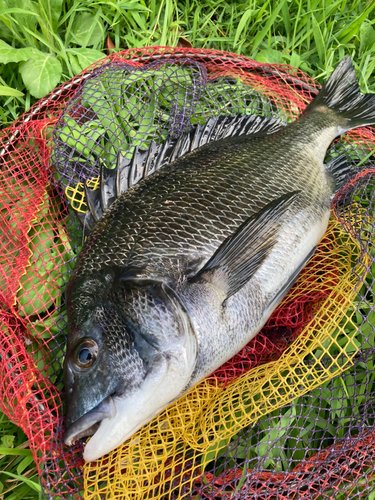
(291, 415)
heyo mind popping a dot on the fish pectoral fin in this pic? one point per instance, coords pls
(241, 254)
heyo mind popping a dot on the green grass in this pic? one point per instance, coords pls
(45, 42)
(18, 474)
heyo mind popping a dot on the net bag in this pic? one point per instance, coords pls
(292, 415)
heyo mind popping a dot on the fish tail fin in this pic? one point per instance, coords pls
(341, 93)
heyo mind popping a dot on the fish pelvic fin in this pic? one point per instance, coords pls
(241, 254)
(342, 94)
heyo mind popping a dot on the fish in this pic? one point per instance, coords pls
(191, 247)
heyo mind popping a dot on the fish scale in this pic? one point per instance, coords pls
(208, 199)
(187, 264)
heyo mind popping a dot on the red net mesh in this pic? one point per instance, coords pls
(41, 238)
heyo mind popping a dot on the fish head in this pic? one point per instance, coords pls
(129, 355)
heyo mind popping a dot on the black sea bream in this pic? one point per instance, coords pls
(186, 266)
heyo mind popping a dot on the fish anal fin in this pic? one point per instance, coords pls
(339, 168)
(240, 256)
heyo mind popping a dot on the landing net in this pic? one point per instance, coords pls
(290, 416)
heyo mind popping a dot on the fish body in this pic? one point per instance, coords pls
(187, 265)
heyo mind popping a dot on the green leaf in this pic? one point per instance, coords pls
(86, 56)
(8, 441)
(133, 6)
(270, 56)
(17, 10)
(352, 28)
(319, 40)
(286, 17)
(76, 68)
(10, 92)
(87, 30)
(213, 451)
(5, 33)
(9, 54)
(295, 60)
(41, 73)
(366, 36)
(21, 20)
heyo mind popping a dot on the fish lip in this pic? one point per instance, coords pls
(88, 424)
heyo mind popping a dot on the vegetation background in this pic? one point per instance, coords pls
(46, 42)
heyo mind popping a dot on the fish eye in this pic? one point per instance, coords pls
(85, 353)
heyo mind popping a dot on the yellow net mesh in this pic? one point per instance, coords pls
(76, 194)
(172, 451)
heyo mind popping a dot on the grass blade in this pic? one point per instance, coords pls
(16, 452)
(259, 37)
(241, 26)
(31, 484)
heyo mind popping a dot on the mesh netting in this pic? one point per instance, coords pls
(290, 416)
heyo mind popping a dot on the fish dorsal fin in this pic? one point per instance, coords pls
(86, 219)
(107, 186)
(94, 202)
(241, 254)
(130, 170)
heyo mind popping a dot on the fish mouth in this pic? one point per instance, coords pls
(132, 410)
(88, 424)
